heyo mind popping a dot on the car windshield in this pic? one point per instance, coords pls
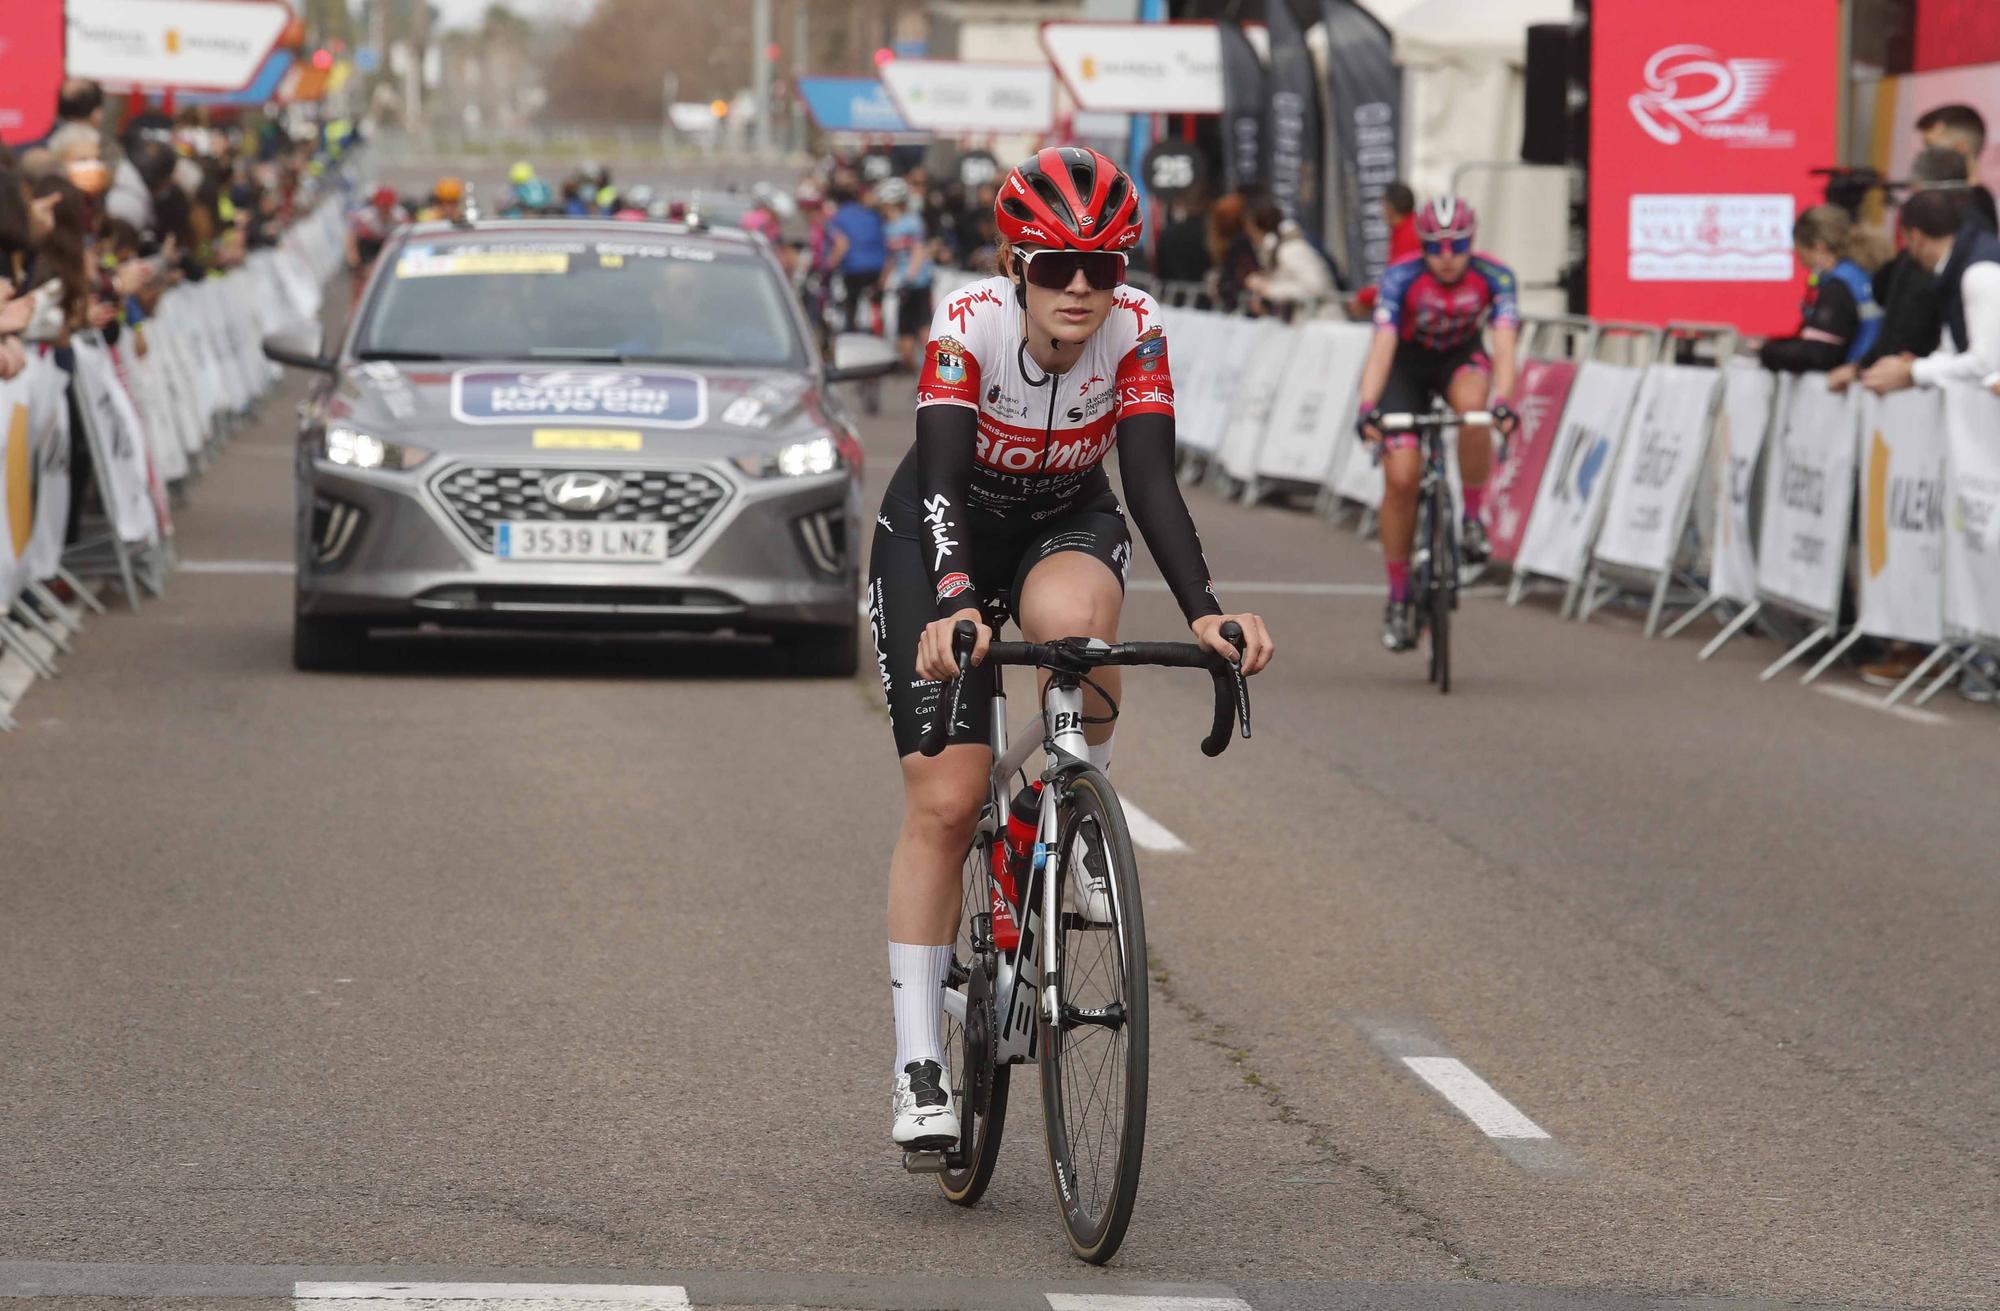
(629, 301)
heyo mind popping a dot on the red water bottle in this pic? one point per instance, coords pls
(1011, 869)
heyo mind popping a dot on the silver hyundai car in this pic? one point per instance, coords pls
(582, 425)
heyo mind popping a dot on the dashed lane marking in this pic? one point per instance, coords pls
(489, 1297)
(281, 568)
(1123, 1302)
(1492, 1114)
(1150, 834)
(1854, 696)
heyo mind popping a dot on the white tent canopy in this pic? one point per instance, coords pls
(1463, 86)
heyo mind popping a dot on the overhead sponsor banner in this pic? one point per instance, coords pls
(1662, 459)
(1312, 415)
(937, 95)
(1972, 515)
(1138, 68)
(262, 88)
(1245, 93)
(850, 104)
(1272, 350)
(1808, 498)
(1706, 117)
(192, 45)
(119, 448)
(1578, 473)
(1900, 591)
(31, 69)
(1748, 401)
(1364, 102)
(623, 397)
(1510, 495)
(1291, 121)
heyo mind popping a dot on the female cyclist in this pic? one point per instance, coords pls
(1002, 508)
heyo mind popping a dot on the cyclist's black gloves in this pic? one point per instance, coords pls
(1371, 418)
(1505, 419)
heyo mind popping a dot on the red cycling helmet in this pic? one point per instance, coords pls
(1069, 198)
(1446, 216)
(384, 198)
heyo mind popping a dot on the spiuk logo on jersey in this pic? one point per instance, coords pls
(935, 510)
(950, 359)
(961, 309)
(1139, 310)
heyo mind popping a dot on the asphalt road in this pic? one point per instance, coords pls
(561, 963)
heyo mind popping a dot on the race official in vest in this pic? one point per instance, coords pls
(1966, 257)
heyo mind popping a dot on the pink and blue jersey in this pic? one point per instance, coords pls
(1440, 317)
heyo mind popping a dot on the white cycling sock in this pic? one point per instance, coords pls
(1099, 754)
(916, 982)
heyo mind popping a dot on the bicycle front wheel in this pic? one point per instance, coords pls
(1094, 1055)
(1443, 591)
(978, 1085)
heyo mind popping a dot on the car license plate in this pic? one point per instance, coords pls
(584, 541)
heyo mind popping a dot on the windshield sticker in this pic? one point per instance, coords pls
(486, 262)
(625, 397)
(624, 250)
(587, 439)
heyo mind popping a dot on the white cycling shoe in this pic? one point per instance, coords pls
(1087, 890)
(924, 1118)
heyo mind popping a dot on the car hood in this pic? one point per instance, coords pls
(540, 408)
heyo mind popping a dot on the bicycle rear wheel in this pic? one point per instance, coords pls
(978, 1085)
(1094, 1057)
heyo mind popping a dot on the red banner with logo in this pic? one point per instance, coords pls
(1706, 119)
(31, 69)
(1539, 400)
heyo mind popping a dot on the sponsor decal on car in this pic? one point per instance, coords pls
(587, 439)
(624, 397)
(462, 264)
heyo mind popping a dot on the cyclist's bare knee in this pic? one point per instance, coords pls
(942, 795)
(1402, 473)
(1070, 594)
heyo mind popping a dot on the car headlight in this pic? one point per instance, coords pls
(799, 460)
(358, 450)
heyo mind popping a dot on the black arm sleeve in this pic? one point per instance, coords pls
(1823, 338)
(947, 436)
(1146, 464)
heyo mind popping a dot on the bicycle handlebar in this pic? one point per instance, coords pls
(1421, 422)
(1232, 693)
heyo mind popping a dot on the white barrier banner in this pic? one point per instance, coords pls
(1972, 515)
(1748, 401)
(1574, 480)
(48, 424)
(1272, 348)
(121, 446)
(1312, 417)
(141, 374)
(1808, 500)
(1654, 482)
(1194, 342)
(1900, 593)
(17, 485)
(1230, 357)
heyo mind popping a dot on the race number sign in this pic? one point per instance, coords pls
(1654, 484)
(1172, 170)
(1900, 593)
(1972, 515)
(1579, 471)
(626, 397)
(1510, 494)
(1808, 497)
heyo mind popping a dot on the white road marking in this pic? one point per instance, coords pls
(1149, 833)
(276, 567)
(1123, 1302)
(1856, 697)
(1494, 1115)
(493, 1297)
(1226, 588)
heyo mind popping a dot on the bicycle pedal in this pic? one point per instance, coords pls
(925, 1162)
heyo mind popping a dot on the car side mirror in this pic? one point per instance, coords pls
(300, 348)
(860, 355)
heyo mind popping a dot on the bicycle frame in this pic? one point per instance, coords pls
(1026, 985)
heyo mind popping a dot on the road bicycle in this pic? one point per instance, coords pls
(1072, 999)
(1435, 565)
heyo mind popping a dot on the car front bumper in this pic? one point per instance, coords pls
(772, 554)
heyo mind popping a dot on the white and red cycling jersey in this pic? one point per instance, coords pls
(1039, 437)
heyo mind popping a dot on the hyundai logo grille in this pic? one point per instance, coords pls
(581, 493)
